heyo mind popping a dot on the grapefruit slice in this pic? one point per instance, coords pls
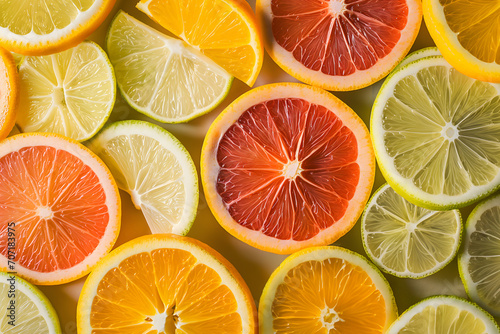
(339, 44)
(59, 204)
(287, 166)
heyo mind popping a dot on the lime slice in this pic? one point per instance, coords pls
(406, 240)
(419, 54)
(25, 309)
(155, 169)
(436, 134)
(163, 77)
(444, 315)
(70, 93)
(479, 260)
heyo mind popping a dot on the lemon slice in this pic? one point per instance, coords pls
(479, 260)
(444, 315)
(419, 54)
(436, 134)
(163, 77)
(70, 93)
(9, 92)
(405, 240)
(155, 169)
(25, 308)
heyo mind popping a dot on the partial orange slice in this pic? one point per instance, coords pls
(165, 283)
(224, 30)
(287, 166)
(9, 92)
(339, 44)
(59, 203)
(326, 290)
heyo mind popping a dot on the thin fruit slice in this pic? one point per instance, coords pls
(479, 260)
(326, 290)
(38, 27)
(70, 93)
(339, 44)
(9, 92)
(436, 134)
(161, 76)
(405, 240)
(468, 35)
(155, 169)
(287, 166)
(444, 315)
(419, 54)
(165, 283)
(224, 30)
(62, 205)
(26, 309)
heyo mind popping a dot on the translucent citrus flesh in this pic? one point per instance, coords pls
(338, 37)
(287, 168)
(69, 93)
(477, 25)
(329, 296)
(408, 239)
(442, 131)
(165, 281)
(8, 93)
(57, 205)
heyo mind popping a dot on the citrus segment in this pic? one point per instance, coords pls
(287, 166)
(61, 202)
(71, 93)
(165, 283)
(9, 92)
(224, 30)
(326, 290)
(339, 44)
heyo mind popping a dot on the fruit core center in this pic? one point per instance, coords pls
(329, 318)
(164, 323)
(44, 212)
(58, 97)
(292, 169)
(450, 132)
(136, 199)
(337, 7)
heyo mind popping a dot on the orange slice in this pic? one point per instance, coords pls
(287, 166)
(165, 283)
(224, 30)
(59, 204)
(339, 44)
(9, 92)
(326, 290)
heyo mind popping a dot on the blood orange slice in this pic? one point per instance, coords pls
(287, 166)
(339, 44)
(59, 208)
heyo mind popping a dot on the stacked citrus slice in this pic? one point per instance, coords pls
(9, 92)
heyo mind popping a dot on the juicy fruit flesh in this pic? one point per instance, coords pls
(287, 168)
(329, 296)
(477, 25)
(338, 37)
(164, 290)
(439, 120)
(57, 205)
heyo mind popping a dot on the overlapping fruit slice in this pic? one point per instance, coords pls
(9, 92)
(287, 166)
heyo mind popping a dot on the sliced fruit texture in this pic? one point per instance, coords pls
(419, 54)
(287, 166)
(339, 44)
(9, 92)
(224, 30)
(62, 205)
(166, 283)
(436, 134)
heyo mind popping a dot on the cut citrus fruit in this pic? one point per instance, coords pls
(9, 92)
(339, 44)
(419, 54)
(26, 309)
(70, 93)
(326, 290)
(60, 202)
(37, 27)
(436, 135)
(468, 35)
(479, 260)
(162, 77)
(155, 169)
(224, 30)
(444, 315)
(164, 284)
(287, 166)
(405, 240)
